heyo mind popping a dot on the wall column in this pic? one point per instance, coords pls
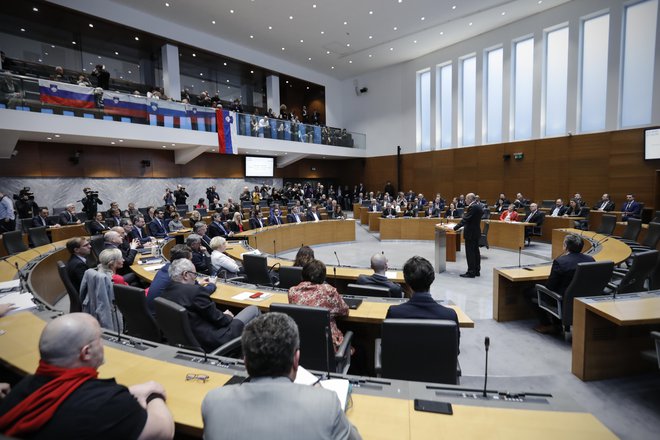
(171, 75)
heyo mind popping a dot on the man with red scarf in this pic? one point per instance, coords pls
(65, 399)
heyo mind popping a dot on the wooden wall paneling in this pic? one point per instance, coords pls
(26, 163)
(466, 171)
(588, 165)
(519, 174)
(491, 172)
(550, 171)
(443, 167)
(130, 162)
(162, 164)
(100, 162)
(628, 171)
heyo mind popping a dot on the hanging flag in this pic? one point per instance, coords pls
(223, 125)
(122, 104)
(70, 95)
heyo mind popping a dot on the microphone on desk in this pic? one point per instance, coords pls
(519, 255)
(334, 273)
(256, 246)
(275, 248)
(486, 344)
(22, 278)
(601, 241)
(338, 263)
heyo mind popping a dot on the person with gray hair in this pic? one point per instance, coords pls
(220, 261)
(271, 349)
(65, 399)
(379, 279)
(116, 239)
(200, 256)
(111, 260)
(211, 327)
(68, 216)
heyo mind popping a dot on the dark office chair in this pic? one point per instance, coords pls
(607, 225)
(256, 270)
(182, 207)
(654, 279)
(13, 241)
(483, 238)
(98, 242)
(583, 224)
(630, 234)
(590, 279)
(202, 211)
(74, 296)
(316, 347)
(423, 350)
(173, 321)
(547, 204)
(289, 276)
(138, 321)
(26, 224)
(38, 236)
(633, 279)
(88, 228)
(651, 240)
(365, 290)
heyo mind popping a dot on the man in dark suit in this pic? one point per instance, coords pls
(157, 225)
(211, 327)
(631, 208)
(275, 218)
(534, 216)
(471, 222)
(138, 230)
(200, 257)
(313, 215)
(605, 204)
(561, 275)
(294, 216)
(42, 219)
(419, 275)
(79, 248)
(257, 221)
(388, 212)
(374, 207)
(218, 228)
(97, 225)
(559, 209)
(378, 279)
(68, 216)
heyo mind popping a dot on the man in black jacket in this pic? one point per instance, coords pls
(471, 224)
(79, 248)
(378, 279)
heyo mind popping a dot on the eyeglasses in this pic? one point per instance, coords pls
(193, 377)
(197, 274)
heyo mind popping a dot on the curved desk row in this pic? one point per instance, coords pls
(380, 410)
(509, 283)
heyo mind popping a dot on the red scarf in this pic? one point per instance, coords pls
(38, 408)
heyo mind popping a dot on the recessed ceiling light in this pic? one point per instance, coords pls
(503, 13)
(130, 71)
(400, 1)
(371, 37)
(415, 41)
(227, 80)
(395, 28)
(391, 48)
(112, 143)
(302, 41)
(174, 145)
(194, 54)
(137, 38)
(53, 46)
(49, 138)
(167, 5)
(201, 74)
(251, 71)
(290, 17)
(282, 48)
(212, 21)
(540, 1)
(164, 146)
(99, 57)
(314, 6)
(322, 32)
(91, 25)
(35, 9)
(45, 53)
(57, 135)
(345, 23)
(307, 87)
(121, 140)
(442, 33)
(423, 18)
(22, 29)
(348, 44)
(332, 67)
(371, 12)
(231, 11)
(470, 24)
(350, 61)
(270, 28)
(370, 55)
(287, 81)
(251, 36)
(309, 59)
(116, 53)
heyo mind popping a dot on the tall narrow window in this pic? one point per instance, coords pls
(424, 110)
(445, 105)
(494, 66)
(523, 82)
(638, 59)
(468, 100)
(593, 80)
(556, 81)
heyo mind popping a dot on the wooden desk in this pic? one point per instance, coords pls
(551, 223)
(374, 220)
(608, 336)
(509, 284)
(374, 416)
(364, 215)
(294, 235)
(67, 232)
(507, 235)
(596, 218)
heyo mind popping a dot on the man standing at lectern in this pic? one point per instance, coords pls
(471, 224)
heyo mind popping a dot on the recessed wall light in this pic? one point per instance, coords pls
(137, 38)
(35, 9)
(91, 25)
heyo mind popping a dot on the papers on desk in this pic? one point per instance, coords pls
(154, 268)
(150, 260)
(248, 296)
(10, 293)
(391, 274)
(339, 386)
(254, 252)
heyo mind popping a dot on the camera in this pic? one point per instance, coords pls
(24, 194)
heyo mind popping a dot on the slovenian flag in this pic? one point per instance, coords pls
(70, 95)
(124, 105)
(223, 124)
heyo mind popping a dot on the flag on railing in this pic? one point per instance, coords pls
(125, 105)
(71, 95)
(223, 124)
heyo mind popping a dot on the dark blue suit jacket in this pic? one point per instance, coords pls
(563, 269)
(157, 230)
(632, 209)
(218, 230)
(423, 306)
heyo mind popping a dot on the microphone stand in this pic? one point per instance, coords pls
(327, 350)
(519, 256)
(275, 248)
(487, 345)
(338, 263)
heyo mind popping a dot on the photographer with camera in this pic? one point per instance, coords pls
(180, 195)
(212, 194)
(90, 202)
(25, 205)
(168, 197)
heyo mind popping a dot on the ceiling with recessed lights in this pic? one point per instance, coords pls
(343, 38)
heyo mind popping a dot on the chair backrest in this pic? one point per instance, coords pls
(459, 212)
(589, 279)
(256, 269)
(88, 228)
(547, 204)
(38, 236)
(182, 207)
(420, 349)
(316, 347)
(654, 279)
(289, 276)
(133, 305)
(172, 319)
(640, 270)
(540, 221)
(366, 290)
(652, 236)
(26, 224)
(97, 242)
(13, 241)
(74, 296)
(633, 229)
(202, 211)
(607, 225)
(82, 216)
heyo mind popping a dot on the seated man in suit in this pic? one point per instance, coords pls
(374, 207)
(211, 327)
(79, 248)
(313, 215)
(419, 275)
(64, 399)
(97, 225)
(520, 201)
(257, 220)
(605, 204)
(157, 226)
(631, 208)
(68, 216)
(379, 266)
(534, 216)
(558, 210)
(388, 212)
(561, 275)
(42, 220)
(218, 228)
(294, 216)
(271, 349)
(275, 218)
(138, 231)
(200, 256)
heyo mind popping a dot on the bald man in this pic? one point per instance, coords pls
(65, 399)
(379, 279)
(471, 224)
